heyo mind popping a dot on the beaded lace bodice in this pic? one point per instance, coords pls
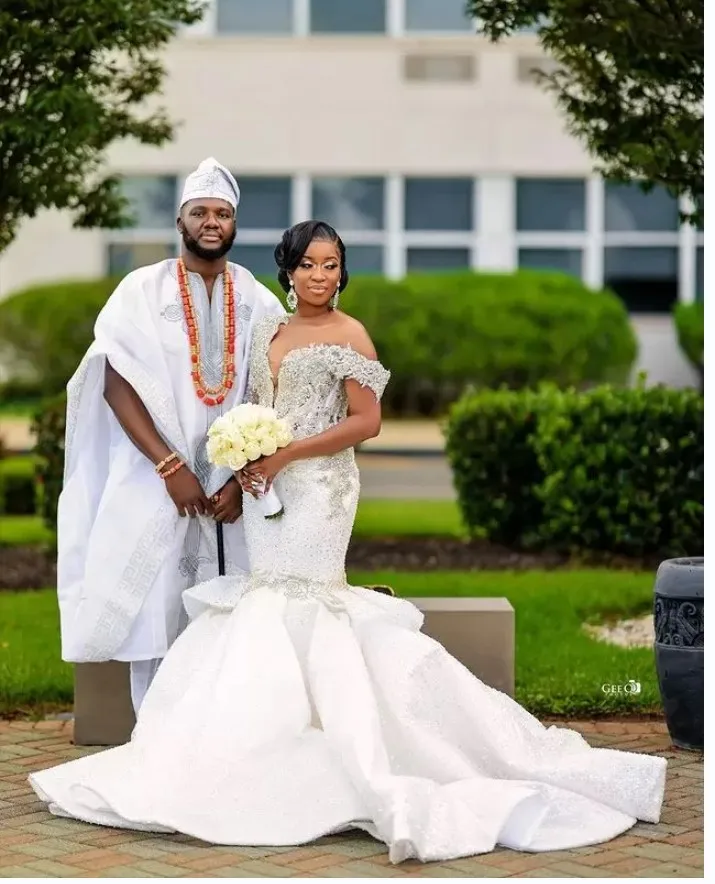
(309, 391)
(303, 551)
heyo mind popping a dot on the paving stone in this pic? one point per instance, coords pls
(35, 844)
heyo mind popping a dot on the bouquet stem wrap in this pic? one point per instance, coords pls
(270, 504)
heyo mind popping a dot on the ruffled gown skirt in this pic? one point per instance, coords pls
(294, 706)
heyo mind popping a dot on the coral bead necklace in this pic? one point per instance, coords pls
(210, 396)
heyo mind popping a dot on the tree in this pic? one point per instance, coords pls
(74, 77)
(629, 79)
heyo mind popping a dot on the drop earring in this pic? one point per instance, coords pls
(292, 298)
(335, 298)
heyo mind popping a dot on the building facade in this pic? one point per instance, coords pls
(423, 143)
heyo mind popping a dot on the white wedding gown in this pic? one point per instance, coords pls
(294, 705)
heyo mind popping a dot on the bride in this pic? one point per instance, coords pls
(295, 705)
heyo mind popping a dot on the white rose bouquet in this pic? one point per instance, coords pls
(246, 433)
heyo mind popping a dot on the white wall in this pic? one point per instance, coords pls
(48, 249)
(342, 104)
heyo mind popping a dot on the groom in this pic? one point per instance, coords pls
(136, 518)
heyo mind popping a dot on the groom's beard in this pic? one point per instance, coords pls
(204, 253)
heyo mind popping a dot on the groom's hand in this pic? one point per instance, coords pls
(228, 503)
(188, 495)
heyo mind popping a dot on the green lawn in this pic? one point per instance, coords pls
(23, 408)
(23, 531)
(408, 518)
(560, 670)
(375, 518)
(31, 672)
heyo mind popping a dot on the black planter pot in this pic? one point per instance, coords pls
(679, 647)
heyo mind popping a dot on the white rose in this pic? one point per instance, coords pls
(219, 427)
(268, 446)
(237, 461)
(218, 448)
(252, 450)
(283, 438)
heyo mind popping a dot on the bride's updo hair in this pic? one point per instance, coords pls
(295, 243)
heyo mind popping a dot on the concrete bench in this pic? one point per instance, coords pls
(478, 632)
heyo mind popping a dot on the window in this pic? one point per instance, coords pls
(152, 201)
(628, 208)
(254, 16)
(347, 16)
(256, 258)
(437, 259)
(550, 204)
(264, 211)
(265, 203)
(440, 68)
(529, 68)
(153, 205)
(645, 278)
(437, 15)
(122, 258)
(350, 203)
(566, 260)
(700, 273)
(438, 203)
(365, 259)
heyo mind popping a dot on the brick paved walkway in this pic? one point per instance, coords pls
(34, 844)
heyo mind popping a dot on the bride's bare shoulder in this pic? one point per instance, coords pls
(353, 334)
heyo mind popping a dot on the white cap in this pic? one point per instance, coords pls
(211, 181)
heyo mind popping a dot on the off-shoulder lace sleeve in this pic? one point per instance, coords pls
(348, 363)
(259, 389)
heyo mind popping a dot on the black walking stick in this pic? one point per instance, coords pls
(219, 546)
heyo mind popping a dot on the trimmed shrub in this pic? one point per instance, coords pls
(490, 449)
(45, 331)
(18, 486)
(441, 333)
(521, 329)
(608, 470)
(624, 472)
(437, 333)
(49, 429)
(20, 391)
(690, 323)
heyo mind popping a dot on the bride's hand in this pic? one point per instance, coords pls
(265, 470)
(248, 483)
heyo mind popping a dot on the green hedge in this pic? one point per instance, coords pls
(45, 331)
(18, 486)
(494, 465)
(20, 390)
(438, 333)
(609, 470)
(690, 323)
(49, 429)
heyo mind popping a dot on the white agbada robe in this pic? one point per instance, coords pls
(124, 554)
